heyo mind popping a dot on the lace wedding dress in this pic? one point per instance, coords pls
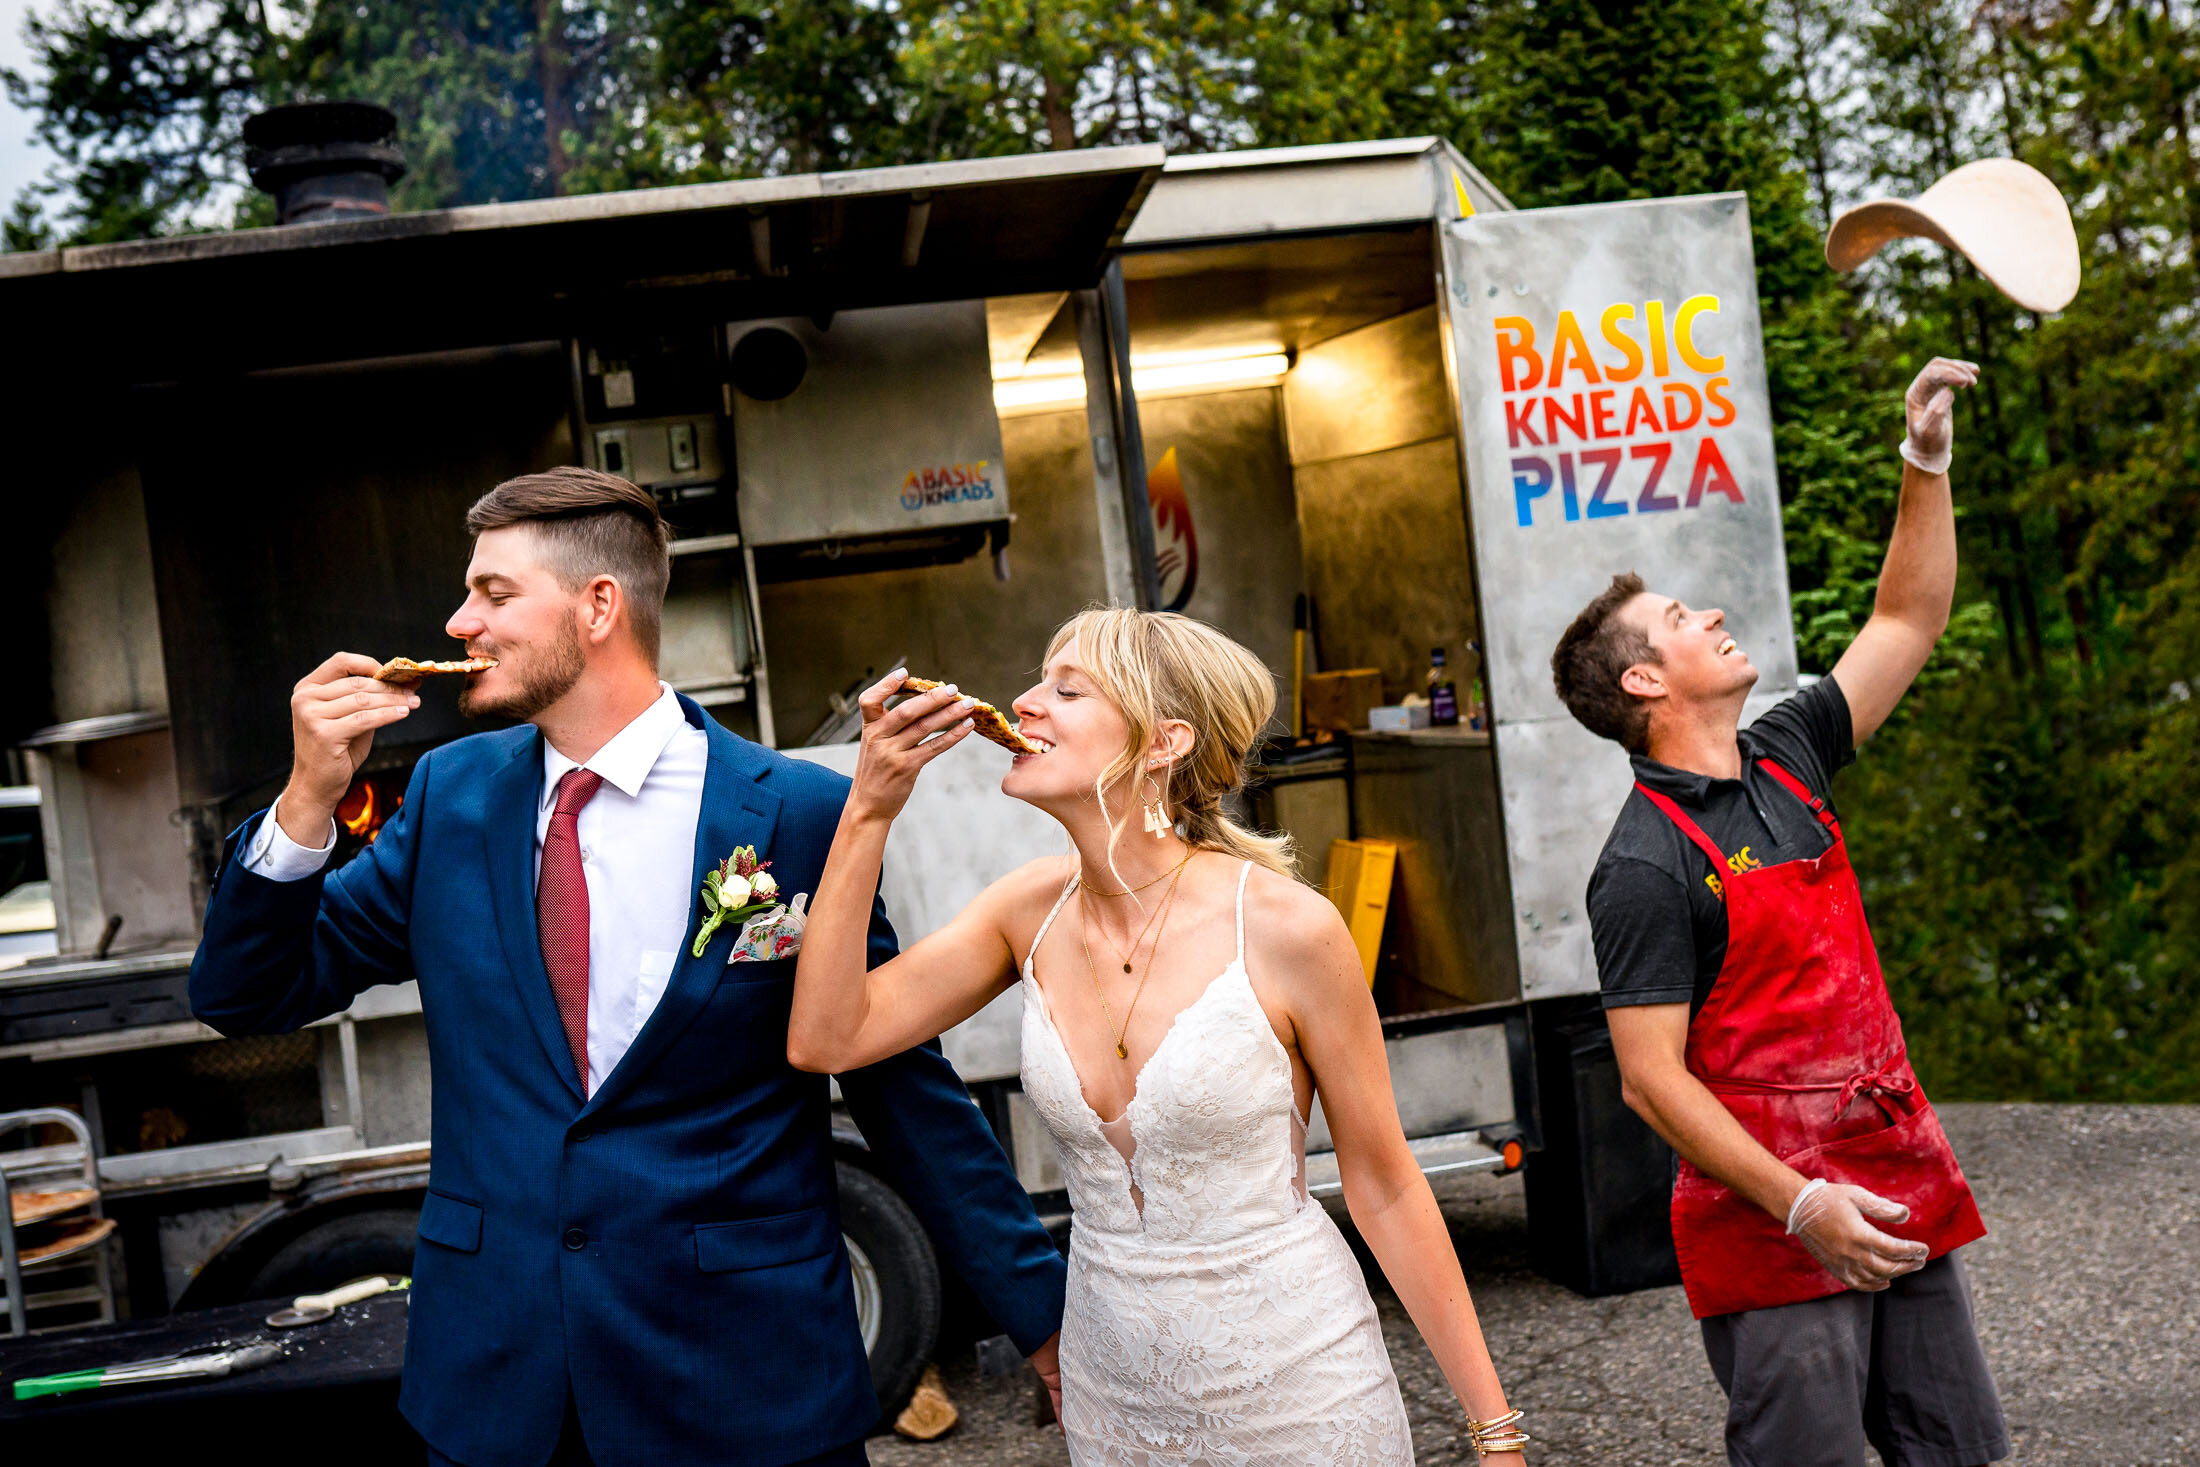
(1215, 1314)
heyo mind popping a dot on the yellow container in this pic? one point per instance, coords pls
(1359, 883)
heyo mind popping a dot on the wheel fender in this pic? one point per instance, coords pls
(225, 1276)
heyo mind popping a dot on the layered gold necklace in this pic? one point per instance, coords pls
(1157, 924)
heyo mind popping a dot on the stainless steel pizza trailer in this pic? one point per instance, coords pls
(1362, 376)
(887, 413)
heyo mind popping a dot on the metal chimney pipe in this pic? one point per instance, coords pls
(324, 160)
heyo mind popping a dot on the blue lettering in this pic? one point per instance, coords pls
(1531, 481)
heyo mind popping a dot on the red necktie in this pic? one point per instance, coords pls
(561, 912)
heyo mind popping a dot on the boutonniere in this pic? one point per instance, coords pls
(742, 890)
(735, 890)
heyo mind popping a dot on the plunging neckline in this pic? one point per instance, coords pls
(1138, 1081)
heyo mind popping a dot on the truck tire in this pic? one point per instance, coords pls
(897, 1283)
(376, 1240)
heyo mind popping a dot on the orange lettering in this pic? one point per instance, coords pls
(1673, 420)
(1609, 324)
(1718, 400)
(1654, 314)
(1521, 348)
(1568, 336)
(1600, 413)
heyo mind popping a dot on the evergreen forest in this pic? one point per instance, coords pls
(2035, 891)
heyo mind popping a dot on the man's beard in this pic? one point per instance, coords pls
(543, 677)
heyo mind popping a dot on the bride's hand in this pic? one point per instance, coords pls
(1047, 1361)
(898, 741)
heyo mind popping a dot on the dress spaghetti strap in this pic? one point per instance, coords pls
(1054, 911)
(1246, 871)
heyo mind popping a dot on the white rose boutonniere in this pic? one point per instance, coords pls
(741, 889)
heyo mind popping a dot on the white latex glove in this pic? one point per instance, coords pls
(1930, 409)
(1833, 1221)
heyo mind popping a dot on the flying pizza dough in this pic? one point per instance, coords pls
(2004, 216)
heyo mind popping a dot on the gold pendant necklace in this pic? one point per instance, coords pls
(1122, 1051)
(1085, 917)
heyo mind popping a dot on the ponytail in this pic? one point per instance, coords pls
(1210, 828)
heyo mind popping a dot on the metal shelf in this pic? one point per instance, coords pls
(704, 544)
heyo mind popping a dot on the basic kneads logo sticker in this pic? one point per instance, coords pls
(946, 484)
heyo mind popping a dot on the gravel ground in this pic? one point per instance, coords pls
(2083, 1289)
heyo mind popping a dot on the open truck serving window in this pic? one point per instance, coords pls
(1343, 402)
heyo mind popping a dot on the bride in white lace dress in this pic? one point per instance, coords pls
(1185, 999)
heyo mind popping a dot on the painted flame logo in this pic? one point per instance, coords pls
(1175, 538)
(360, 811)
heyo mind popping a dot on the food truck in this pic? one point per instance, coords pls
(1345, 403)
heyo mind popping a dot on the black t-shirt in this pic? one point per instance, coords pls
(1655, 913)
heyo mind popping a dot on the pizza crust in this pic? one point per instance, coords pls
(986, 720)
(403, 672)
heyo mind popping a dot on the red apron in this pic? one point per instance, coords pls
(1799, 1039)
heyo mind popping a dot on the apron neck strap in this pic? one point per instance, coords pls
(1802, 792)
(1690, 829)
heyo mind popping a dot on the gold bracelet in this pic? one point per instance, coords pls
(1491, 1438)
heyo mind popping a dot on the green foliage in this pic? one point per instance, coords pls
(2021, 822)
(2022, 819)
(141, 100)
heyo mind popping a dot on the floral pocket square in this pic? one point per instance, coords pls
(771, 935)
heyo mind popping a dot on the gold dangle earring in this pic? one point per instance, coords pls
(1158, 823)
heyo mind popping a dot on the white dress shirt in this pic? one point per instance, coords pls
(637, 841)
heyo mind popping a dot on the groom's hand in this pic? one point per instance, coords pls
(1047, 1360)
(334, 711)
(901, 740)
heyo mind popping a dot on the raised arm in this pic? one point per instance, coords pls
(848, 1014)
(1918, 581)
(1341, 1039)
(279, 951)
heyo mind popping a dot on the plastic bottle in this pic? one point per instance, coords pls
(1443, 699)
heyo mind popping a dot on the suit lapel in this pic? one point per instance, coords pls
(737, 811)
(515, 800)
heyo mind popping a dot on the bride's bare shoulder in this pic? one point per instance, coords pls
(1019, 900)
(1291, 928)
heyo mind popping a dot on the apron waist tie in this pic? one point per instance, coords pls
(1880, 1084)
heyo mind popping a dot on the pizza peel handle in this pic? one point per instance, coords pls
(313, 1308)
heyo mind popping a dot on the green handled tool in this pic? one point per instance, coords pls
(209, 1365)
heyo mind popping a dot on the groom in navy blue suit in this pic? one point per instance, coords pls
(630, 1250)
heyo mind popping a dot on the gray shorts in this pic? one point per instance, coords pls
(1808, 1384)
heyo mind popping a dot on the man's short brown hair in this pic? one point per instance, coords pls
(591, 524)
(1596, 650)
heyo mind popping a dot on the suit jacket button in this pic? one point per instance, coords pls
(584, 1135)
(575, 1239)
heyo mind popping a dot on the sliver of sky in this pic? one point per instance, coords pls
(22, 160)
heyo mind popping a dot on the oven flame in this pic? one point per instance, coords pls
(361, 812)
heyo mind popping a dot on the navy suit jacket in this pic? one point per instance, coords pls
(668, 1249)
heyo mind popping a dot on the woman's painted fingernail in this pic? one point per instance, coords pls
(966, 702)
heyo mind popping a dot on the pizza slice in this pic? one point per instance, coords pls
(986, 720)
(403, 672)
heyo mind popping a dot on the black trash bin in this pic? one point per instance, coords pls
(1601, 1189)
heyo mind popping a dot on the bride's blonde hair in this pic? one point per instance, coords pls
(1154, 666)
